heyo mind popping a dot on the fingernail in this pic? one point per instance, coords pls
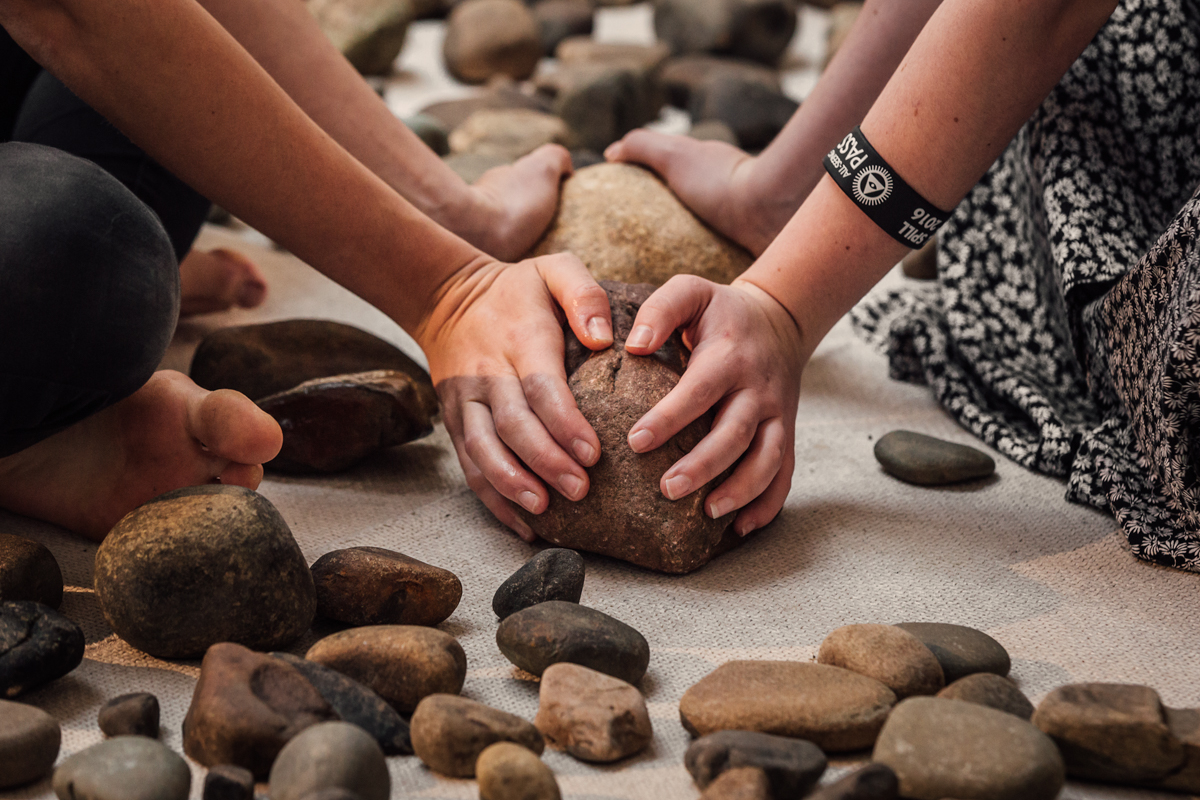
(678, 486)
(719, 508)
(639, 337)
(528, 501)
(584, 453)
(571, 486)
(640, 441)
(599, 329)
(523, 530)
(745, 528)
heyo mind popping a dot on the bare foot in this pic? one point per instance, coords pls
(167, 435)
(217, 280)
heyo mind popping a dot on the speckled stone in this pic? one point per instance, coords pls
(556, 573)
(449, 732)
(792, 766)
(890, 655)
(124, 768)
(592, 716)
(557, 631)
(134, 714)
(331, 755)
(37, 645)
(927, 461)
(872, 782)
(29, 742)
(992, 691)
(228, 782)
(375, 586)
(960, 650)
(29, 571)
(508, 771)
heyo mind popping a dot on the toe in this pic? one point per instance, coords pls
(232, 427)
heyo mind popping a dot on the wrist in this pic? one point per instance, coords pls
(450, 299)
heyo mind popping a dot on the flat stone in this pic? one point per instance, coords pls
(625, 515)
(331, 755)
(922, 264)
(713, 130)
(556, 573)
(202, 565)
(508, 771)
(369, 33)
(754, 112)
(872, 782)
(356, 704)
(792, 766)
(961, 650)
(561, 19)
(491, 37)
(401, 663)
(586, 50)
(754, 29)
(592, 716)
(890, 655)
(926, 461)
(944, 748)
(374, 586)
(124, 768)
(452, 113)
(834, 708)
(134, 714)
(245, 708)
(471, 166)
(228, 782)
(449, 732)
(330, 424)
(739, 783)
(29, 571)
(557, 631)
(688, 75)
(29, 742)
(990, 690)
(626, 225)
(268, 358)
(508, 133)
(601, 101)
(431, 131)
(37, 645)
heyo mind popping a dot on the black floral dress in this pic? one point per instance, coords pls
(1064, 329)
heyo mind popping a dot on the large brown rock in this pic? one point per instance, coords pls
(491, 37)
(626, 225)
(370, 33)
(374, 586)
(449, 732)
(625, 515)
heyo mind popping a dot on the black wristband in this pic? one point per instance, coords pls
(883, 195)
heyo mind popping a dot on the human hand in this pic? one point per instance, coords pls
(747, 356)
(495, 345)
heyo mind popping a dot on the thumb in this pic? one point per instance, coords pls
(583, 301)
(679, 302)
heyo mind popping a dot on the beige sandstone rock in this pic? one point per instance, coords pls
(892, 656)
(593, 716)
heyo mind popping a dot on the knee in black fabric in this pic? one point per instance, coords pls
(89, 292)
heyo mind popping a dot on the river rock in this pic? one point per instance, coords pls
(124, 768)
(960, 650)
(508, 133)
(626, 225)
(592, 716)
(202, 565)
(872, 782)
(561, 19)
(491, 37)
(374, 586)
(37, 645)
(471, 166)
(356, 704)
(228, 782)
(508, 771)
(926, 461)
(265, 359)
(602, 101)
(431, 131)
(369, 33)
(739, 783)
(557, 631)
(245, 708)
(754, 112)
(792, 766)
(449, 732)
(29, 741)
(331, 755)
(401, 663)
(759, 30)
(499, 94)
(990, 690)
(713, 130)
(29, 571)
(556, 573)
(586, 50)
(683, 77)
(331, 424)
(133, 714)
(890, 655)
(834, 708)
(943, 748)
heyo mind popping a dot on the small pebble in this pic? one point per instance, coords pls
(557, 631)
(228, 782)
(29, 571)
(593, 716)
(374, 586)
(331, 755)
(449, 732)
(37, 645)
(508, 771)
(124, 768)
(872, 782)
(792, 766)
(739, 783)
(926, 461)
(960, 650)
(130, 715)
(29, 742)
(990, 690)
(890, 655)
(553, 574)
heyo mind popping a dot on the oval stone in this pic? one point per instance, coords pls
(927, 461)
(508, 771)
(29, 742)
(872, 782)
(375, 586)
(944, 748)
(556, 573)
(449, 732)
(400, 663)
(331, 755)
(960, 650)
(739, 783)
(124, 768)
(892, 656)
(29, 571)
(37, 645)
(202, 565)
(557, 631)
(593, 716)
(792, 766)
(836, 709)
(992, 691)
(133, 714)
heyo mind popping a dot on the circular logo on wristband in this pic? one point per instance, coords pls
(872, 186)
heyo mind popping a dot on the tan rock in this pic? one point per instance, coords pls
(450, 732)
(491, 37)
(586, 50)
(740, 783)
(508, 771)
(892, 656)
(507, 133)
(626, 225)
(370, 33)
(501, 93)
(834, 708)
(592, 716)
(374, 586)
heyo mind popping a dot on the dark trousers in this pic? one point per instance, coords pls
(91, 232)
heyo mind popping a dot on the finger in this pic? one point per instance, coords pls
(702, 385)
(499, 466)
(522, 432)
(550, 398)
(583, 301)
(754, 473)
(656, 150)
(766, 506)
(501, 508)
(733, 431)
(681, 300)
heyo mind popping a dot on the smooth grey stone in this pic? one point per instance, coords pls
(133, 714)
(331, 755)
(29, 571)
(357, 704)
(29, 741)
(927, 461)
(124, 768)
(228, 782)
(792, 766)
(992, 691)
(37, 645)
(872, 782)
(960, 650)
(431, 131)
(554, 631)
(556, 573)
